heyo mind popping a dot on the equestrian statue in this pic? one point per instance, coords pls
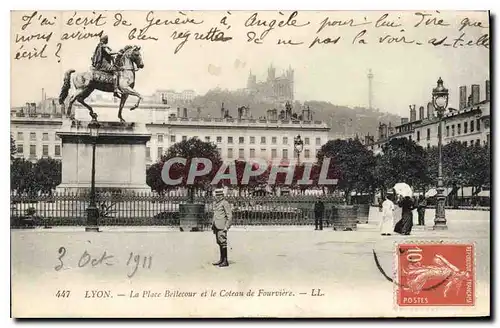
(110, 72)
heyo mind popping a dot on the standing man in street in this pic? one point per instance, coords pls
(319, 212)
(422, 204)
(221, 224)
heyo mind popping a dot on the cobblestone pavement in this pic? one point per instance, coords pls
(296, 260)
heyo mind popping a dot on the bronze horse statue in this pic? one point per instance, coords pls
(85, 83)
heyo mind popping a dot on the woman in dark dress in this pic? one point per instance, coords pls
(406, 223)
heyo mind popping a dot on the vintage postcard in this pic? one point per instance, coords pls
(256, 164)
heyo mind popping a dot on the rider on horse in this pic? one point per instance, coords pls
(102, 60)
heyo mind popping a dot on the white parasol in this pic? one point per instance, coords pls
(403, 189)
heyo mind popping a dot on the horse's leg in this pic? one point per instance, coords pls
(78, 93)
(81, 99)
(131, 92)
(123, 99)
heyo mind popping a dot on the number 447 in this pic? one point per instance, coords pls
(63, 293)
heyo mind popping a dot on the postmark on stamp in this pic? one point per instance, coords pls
(435, 274)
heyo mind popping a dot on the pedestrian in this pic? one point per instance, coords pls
(387, 223)
(422, 204)
(406, 223)
(319, 212)
(221, 224)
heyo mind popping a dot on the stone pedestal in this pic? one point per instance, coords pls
(120, 159)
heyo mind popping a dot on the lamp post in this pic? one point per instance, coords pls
(299, 146)
(92, 210)
(440, 102)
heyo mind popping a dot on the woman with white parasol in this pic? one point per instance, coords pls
(407, 205)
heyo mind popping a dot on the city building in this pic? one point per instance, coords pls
(469, 124)
(244, 137)
(275, 89)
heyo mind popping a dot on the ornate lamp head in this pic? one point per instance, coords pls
(298, 144)
(94, 129)
(440, 97)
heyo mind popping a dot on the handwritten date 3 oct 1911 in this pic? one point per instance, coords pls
(133, 262)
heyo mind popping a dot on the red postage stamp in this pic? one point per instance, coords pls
(435, 274)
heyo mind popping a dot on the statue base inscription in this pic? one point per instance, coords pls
(120, 157)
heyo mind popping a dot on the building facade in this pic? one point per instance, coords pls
(470, 124)
(271, 139)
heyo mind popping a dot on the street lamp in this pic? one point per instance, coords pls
(299, 146)
(440, 102)
(92, 210)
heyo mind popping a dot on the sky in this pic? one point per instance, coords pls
(404, 74)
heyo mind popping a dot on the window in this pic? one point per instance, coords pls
(241, 153)
(57, 150)
(32, 136)
(307, 153)
(252, 153)
(263, 152)
(229, 140)
(262, 140)
(45, 136)
(160, 152)
(219, 139)
(418, 135)
(273, 140)
(285, 140)
(230, 153)
(428, 134)
(172, 139)
(252, 140)
(464, 143)
(471, 126)
(409, 137)
(453, 130)
(241, 140)
(478, 125)
(472, 142)
(160, 138)
(20, 136)
(45, 150)
(306, 141)
(459, 128)
(184, 138)
(33, 150)
(20, 149)
(219, 150)
(465, 127)
(447, 131)
(478, 142)
(428, 146)
(318, 141)
(148, 152)
(285, 154)
(273, 153)
(486, 124)
(207, 139)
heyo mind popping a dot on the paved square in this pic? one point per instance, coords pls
(316, 273)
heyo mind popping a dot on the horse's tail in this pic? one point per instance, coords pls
(66, 86)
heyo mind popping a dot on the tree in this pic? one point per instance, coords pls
(21, 176)
(478, 167)
(402, 160)
(13, 148)
(350, 162)
(187, 149)
(46, 174)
